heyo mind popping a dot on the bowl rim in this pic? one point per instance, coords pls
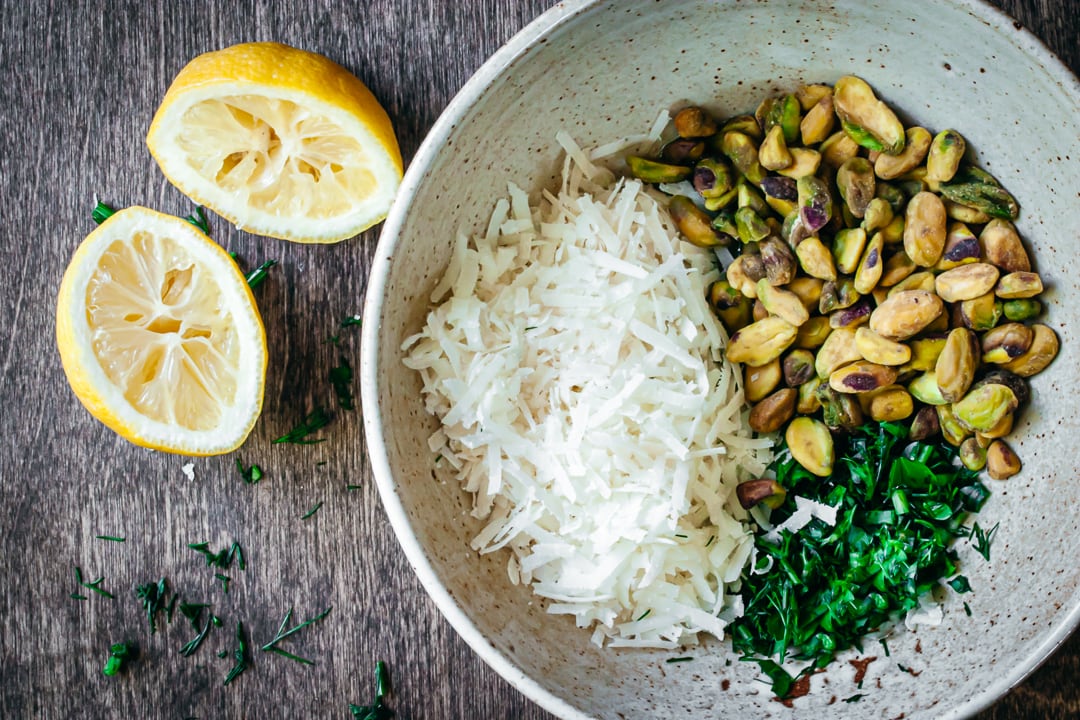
(489, 72)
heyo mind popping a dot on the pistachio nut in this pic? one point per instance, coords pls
(839, 410)
(946, 150)
(1002, 246)
(952, 429)
(779, 187)
(1018, 285)
(981, 313)
(1002, 429)
(813, 333)
(984, 406)
(807, 288)
(894, 231)
(838, 148)
(870, 266)
(682, 151)
(750, 226)
(740, 279)
(924, 354)
(878, 215)
(761, 342)
(811, 95)
(837, 295)
(755, 492)
(818, 121)
(783, 112)
(905, 314)
(694, 122)
(770, 414)
(760, 311)
(773, 153)
(924, 229)
(854, 316)
(992, 200)
(713, 178)
(924, 388)
(966, 282)
(961, 248)
(694, 223)
(651, 171)
(965, 214)
(916, 146)
(760, 381)
(891, 404)
(811, 444)
(956, 365)
(779, 261)
(738, 316)
(1043, 349)
(972, 456)
(1001, 376)
(922, 280)
(924, 424)
(1021, 309)
(808, 401)
(745, 124)
(804, 163)
(848, 246)
(861, 377)
(782, 303)
(815, 259)
(856, 182)
(1006, 342)
(743, 154)
(897, 268)
(798, 367)
(869, 121)
(1001, 462)
(815, 202)
(877, 349)
(838, 350)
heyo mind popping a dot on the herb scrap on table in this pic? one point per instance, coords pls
(376, 710)
(95, 585)
(282, 633)
(198, 219)
(222, 559)
(240, 655)
(341, 378)
(315, 421)
(252, 475)
(152, 597)
(102, 212)
(256, 276)
(118, 653)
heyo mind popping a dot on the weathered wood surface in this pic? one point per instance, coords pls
(80, 81)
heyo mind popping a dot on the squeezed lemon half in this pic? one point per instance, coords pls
(159, 335)
(280, 141)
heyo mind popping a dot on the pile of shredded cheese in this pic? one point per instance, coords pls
(578, 372)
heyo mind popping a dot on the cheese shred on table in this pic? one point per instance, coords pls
(578, 373)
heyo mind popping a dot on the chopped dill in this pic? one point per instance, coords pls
(983, 539)
(316, 420)
(118, 653)
(224, 582)
(251, 475)
(376, 710)
(240, 655)
(678, 660)
(95, 585)
(111, 538)
(198, 219)
(282, 633)
(102, 212)
(312, 511)
(256, 276)
(341, 378)
(152, 597)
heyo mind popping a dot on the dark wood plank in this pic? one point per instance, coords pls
(81, 82)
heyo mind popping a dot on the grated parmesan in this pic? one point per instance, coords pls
(578, 372)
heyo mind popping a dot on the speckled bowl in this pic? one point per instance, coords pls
(602, 70)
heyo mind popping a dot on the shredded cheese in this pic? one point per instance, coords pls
(578, 372)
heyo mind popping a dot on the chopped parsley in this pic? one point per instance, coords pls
(315, 421)
(376, 710)
(341, 378)
(900, 506)
(118, 653)
(95, 585)
(102, 212)
(251, 475)
(240, 655)
(282, 633)
(198, 219)
(256, 276)
(152, 597)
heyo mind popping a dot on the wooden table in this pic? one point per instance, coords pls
(80, 83)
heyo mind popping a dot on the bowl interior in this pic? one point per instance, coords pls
(603, 71)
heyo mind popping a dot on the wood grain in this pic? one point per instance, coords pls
(80, 83)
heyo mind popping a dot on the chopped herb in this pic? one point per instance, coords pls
(967, 609)
(224, 582)
(347, 322)
(118, 653)
(222, 654)
(341, 378)
(320, 463)
(438, 458)
(111, 538)
(312, 511)
(282, 633)
(899, 508)
(376, 710)
(316, 420)
(240, 654)
(152, 596)
(216, 620)
(172, 606)
(256, 276)
(95, 585)
(198, 219)
(644, 615)
(192, 645)
(854, 698)
(960, 584)
(222, 559)
(678, 660)
(235, 549)
(711, 539)
(983, 539)
(884, 646)
(77, 596)
(252, 475)
(102, 212)
(353, 487)
(193, 611)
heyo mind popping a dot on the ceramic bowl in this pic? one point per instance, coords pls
(603, 70)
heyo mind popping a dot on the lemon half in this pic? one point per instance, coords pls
(160, 337)
(280, 141)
